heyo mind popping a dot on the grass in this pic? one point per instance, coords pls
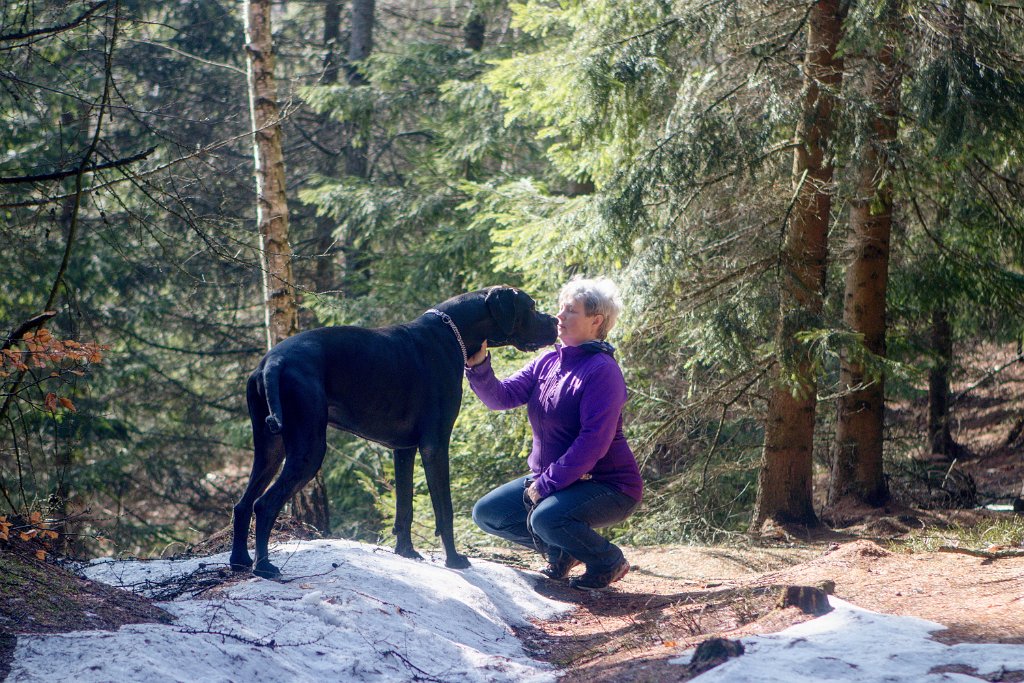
(1004, 531)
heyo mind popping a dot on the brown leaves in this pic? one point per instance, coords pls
(41, 350)
(35, 530)
(52, 400)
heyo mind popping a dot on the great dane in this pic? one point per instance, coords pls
(400, 386)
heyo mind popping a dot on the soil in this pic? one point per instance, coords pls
(39, 596)
(676, 597)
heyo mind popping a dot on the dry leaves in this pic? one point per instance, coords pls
(41, 350)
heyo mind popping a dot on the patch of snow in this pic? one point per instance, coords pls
(857, 645)
(350, 611)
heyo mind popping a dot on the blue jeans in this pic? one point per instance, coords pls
(563, 523)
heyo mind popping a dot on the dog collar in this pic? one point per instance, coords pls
(447, 319)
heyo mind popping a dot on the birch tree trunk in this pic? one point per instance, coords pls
(271, 201)
(282, 319)
(784, 484)
(857, 475)
(359, 48)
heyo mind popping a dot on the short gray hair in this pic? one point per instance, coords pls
(599, 295)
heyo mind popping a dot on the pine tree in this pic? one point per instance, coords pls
(857, 473)
(785, 482)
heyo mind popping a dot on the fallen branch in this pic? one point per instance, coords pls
(985, 378)
(987, 554)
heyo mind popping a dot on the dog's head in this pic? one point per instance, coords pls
(518, 322)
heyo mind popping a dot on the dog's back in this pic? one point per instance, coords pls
(376, 383)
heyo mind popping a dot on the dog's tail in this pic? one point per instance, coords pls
(271, 389)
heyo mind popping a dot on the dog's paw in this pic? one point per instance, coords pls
(457, 562)
(240, 563)
(408, 552)
(265, 570)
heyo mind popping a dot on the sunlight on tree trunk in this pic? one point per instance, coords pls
(784, 483)
(272, 218)
(271, 200)
(857, 474)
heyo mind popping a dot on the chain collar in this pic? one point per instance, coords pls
(447, 319)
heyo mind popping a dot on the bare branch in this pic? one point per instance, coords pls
(53, 30)
(57, 175)
(30, 324)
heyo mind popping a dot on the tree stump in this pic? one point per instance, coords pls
(807, 599)
(712, 652)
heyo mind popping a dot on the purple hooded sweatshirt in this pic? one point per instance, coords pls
(574, 400)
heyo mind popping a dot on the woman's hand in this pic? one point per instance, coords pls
(478, 357)
(533, 494)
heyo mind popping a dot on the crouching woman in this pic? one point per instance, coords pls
(583, 474)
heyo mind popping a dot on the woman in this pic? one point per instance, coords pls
(583, 474)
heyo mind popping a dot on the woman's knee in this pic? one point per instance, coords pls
(547, 518)
(480, 516)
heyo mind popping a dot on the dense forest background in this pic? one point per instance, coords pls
(810, 206)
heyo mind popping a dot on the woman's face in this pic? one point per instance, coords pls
(575, 326)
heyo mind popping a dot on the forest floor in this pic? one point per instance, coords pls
(677, 596)
(673, 598)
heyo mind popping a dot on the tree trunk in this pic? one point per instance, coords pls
(282, 320)
(940, 437)
(784, 484)
(271, 200)
(857, 474)
(355, 281)
(325, 275)
(359, 48)
(311, 505)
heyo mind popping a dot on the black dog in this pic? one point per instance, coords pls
(400, 386)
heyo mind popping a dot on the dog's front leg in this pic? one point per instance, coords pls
(435, 465)
(405, 461)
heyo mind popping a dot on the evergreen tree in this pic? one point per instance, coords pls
(857, 473)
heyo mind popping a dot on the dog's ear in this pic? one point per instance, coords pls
(501, 304)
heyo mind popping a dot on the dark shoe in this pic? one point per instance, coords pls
(594, 580)
(560, 568)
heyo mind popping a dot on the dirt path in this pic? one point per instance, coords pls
(676, 597)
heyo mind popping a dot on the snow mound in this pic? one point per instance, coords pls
(349, 611)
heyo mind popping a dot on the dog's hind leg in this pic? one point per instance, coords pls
(405, 461)
(435, 464)
(265, 463)
(268, 452)
(306, 444)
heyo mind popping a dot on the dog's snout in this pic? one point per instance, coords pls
(551, 328)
